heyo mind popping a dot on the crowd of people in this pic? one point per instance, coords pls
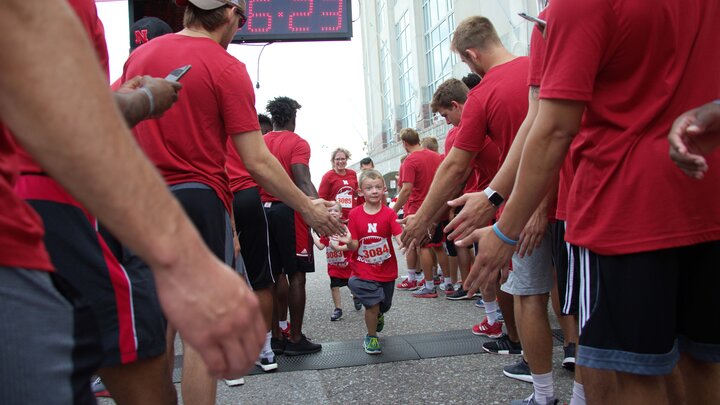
(201, 219)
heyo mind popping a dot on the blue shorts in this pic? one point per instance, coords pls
(371, 293)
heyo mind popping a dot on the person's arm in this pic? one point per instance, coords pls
(135, 104)
(448, 181)
(478, 211)
(301, 174)
(55, 100)
(552, 132)
(318, 243)
(268, 173)
(402, 196)
(694, 134)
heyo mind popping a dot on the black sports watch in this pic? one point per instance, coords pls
(494, 197)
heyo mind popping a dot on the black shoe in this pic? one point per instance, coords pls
(503, 345)
(302, 346)
(337, 314)
(460, 294)
(278, 346)
(519, 371)
(569, 359)
(358, 304)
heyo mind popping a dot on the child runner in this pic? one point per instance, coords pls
(338, 267)
(374, 267)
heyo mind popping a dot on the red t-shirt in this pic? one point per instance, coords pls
(419, 169)
(289, 149)
(189, 142)
(375, 257)
(240, 178)
(637, 68)
(21, 231)
(337, 261)
(342, 188)
(496, 107)
(485, 165)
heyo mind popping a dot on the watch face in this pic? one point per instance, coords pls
(496, 199)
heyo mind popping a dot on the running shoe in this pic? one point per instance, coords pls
(380, 323)
(408, 285)
(278, 345)
(234, 383)
(531, 401)
(425, 293)
(371, 344)
(503, 345)
(485, 329)
(98, 388)
(459, 294)
(336, 315)
(437, 280)
(267, 362)
(569, 358)
(500, 316)
(448, 288)
(302, 346)
(519, 371)
(479, 303)
(357, 303)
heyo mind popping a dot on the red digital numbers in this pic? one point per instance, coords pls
(337, 13)
(253, 15)
(307, 13)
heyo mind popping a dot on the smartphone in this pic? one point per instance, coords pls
(535, 20)
(176, 74)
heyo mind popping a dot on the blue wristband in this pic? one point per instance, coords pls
(502, 236)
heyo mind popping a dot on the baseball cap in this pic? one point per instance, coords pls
(147, 28)
(208, 4)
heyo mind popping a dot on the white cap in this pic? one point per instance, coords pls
(213, 4)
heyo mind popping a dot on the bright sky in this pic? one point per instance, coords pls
(326, 78)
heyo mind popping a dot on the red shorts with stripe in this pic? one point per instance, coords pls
(122, 297)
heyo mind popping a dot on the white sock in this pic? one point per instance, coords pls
(440, 271)
(429, 284)
(419, 276)
(267, 349)
(543, 385)
(578, 395)
(283, 324)
(491, 310)
(411, 275)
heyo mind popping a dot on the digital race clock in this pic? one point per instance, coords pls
(296, 20)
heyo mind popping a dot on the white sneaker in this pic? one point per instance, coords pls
(234, 383)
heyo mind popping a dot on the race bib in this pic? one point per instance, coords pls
(345, 197)
(335, 258)
(373, 250)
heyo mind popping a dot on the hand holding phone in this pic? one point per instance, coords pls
(541, 23)
(176, 74)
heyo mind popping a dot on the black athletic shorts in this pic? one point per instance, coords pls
(436, 239)
(566, 261)
(252, 228)
(284, 256)
(338, 282)
(639, 311)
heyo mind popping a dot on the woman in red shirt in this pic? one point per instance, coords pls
(340, 184)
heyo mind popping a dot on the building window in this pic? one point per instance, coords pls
(387, 99)
(439, 26)
(407, 108)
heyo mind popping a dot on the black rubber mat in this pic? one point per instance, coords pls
(350, 353)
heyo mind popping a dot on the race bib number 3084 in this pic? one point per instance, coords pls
(373, 250)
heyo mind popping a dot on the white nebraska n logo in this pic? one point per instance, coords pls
(372, 228)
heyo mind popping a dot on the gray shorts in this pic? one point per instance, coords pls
(532, 275)
(47, 336)
(371, 293)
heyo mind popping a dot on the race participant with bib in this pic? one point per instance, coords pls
(374, 266)
(339, 184)
(338, 264)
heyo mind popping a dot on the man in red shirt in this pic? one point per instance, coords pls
(628, 345)
(84, 143)
(418, 171)
(188, 144)
(291, 246)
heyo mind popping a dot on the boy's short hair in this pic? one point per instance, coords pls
(430, 142)
(448, 91)
(474, 32)
(410, 136)
(370, 174)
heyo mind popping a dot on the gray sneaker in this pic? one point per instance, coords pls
(531, 401)
(519, 371)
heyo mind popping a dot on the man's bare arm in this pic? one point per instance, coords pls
(402, 196)
(268, 173)
(56, 101)
(135, 105)
(301, 174)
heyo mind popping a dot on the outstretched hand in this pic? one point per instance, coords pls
(475, 214)
(493, 256)
(693, 135)
(319, 218)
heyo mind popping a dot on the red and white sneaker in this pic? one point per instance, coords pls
(425, 293)
(485, 329)
(408, 285)
(285, 331)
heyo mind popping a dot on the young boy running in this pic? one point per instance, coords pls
(338, 258)
(374, 267)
